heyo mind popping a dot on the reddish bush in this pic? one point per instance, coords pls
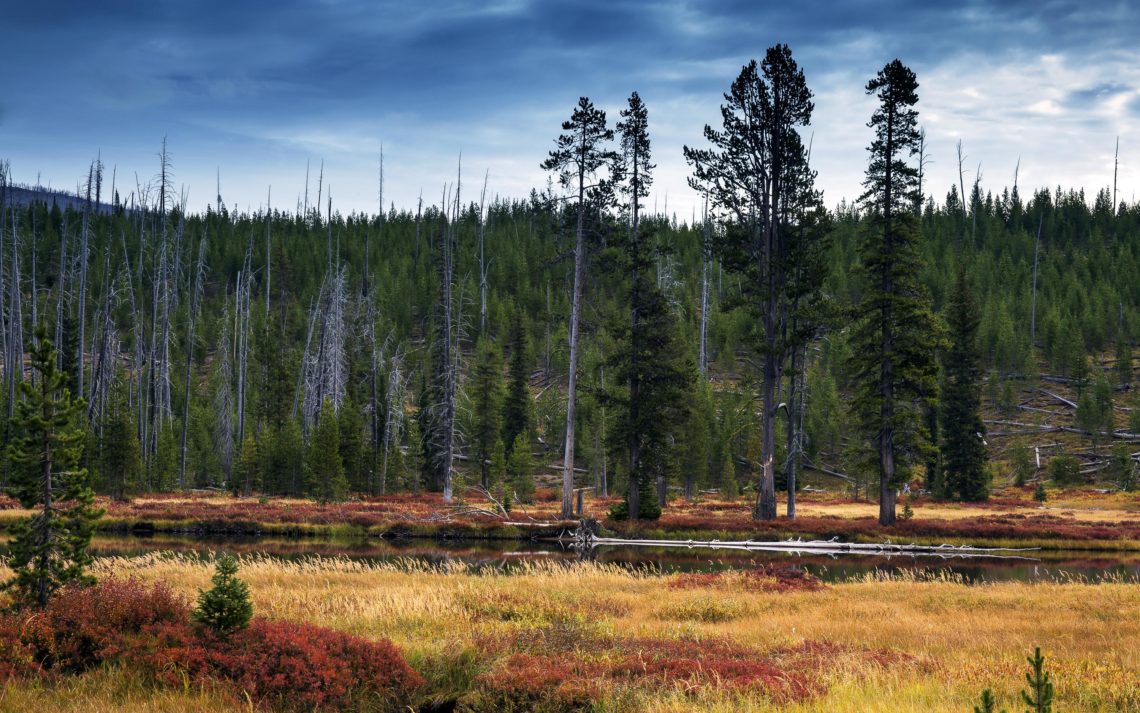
(291, 666)
(17, 659)
(570, 682)
(84, 626)
(301, 666)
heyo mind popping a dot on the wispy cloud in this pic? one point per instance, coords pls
(260, 88)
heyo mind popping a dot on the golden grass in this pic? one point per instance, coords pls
(964, 638)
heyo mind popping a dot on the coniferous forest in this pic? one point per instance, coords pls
(305, 351)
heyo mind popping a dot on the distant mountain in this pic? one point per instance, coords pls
(26, 195)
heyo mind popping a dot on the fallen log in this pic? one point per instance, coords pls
(583, 538)
(1062, 399)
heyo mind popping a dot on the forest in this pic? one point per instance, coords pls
(474, 340)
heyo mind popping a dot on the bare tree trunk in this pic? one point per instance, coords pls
(572, 382)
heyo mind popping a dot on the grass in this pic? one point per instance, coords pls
(905, 642)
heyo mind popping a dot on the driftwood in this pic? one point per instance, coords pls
(582, 537)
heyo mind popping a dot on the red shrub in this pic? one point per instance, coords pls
(301, 666)
(291, 666)
(17, 659)
(570, 682)
(84, 626)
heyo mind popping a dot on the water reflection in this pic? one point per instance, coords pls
(504, 556)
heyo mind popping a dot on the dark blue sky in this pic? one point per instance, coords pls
(257, 89)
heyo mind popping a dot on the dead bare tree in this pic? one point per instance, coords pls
(706, 260)
(395, 395)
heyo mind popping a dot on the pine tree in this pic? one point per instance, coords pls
(1123, 362)
(120, 461)
(225, 607)
(520, 467)
(1039, 697)
(486, 395)
(517, 408)
(350, 424)
(1094, 411)
(757, 173)
(413, 462)
(963, 432)
(324, 469)
(651, 359)
(49, 549)
(248, 467)
(895, 333)
(987, 703)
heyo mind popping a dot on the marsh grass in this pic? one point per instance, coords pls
(908, 640)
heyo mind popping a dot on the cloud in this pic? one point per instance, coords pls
(260, 87)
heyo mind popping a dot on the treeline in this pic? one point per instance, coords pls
(311, 352)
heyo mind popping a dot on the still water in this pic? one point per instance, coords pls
(1048, 565)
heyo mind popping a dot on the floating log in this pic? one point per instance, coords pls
(583, 538)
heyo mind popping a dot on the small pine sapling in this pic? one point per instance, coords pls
(1039, 493)
(1039, 697)
(987, 704)
(226, 607)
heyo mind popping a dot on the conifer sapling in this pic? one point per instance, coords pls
(225, 607)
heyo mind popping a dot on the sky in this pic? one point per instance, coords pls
(254, 91)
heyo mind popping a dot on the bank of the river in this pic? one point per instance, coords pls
(560, 637)
(1076, 519)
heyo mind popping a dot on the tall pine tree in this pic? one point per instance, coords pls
(49, 549)
(963, 445)
(757, 174)
(651, 360)
(895, 332)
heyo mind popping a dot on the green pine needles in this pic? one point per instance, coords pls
(966, 476)
(225, 607)
(49, 549)
(1039, 697)
(895, 333)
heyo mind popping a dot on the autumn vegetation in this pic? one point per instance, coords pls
(571, 637)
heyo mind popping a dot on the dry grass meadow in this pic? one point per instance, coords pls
(910, 643)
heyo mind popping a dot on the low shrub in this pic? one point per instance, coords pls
(574, 681)
(287, 665)
(302, 667)
(84, 626)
